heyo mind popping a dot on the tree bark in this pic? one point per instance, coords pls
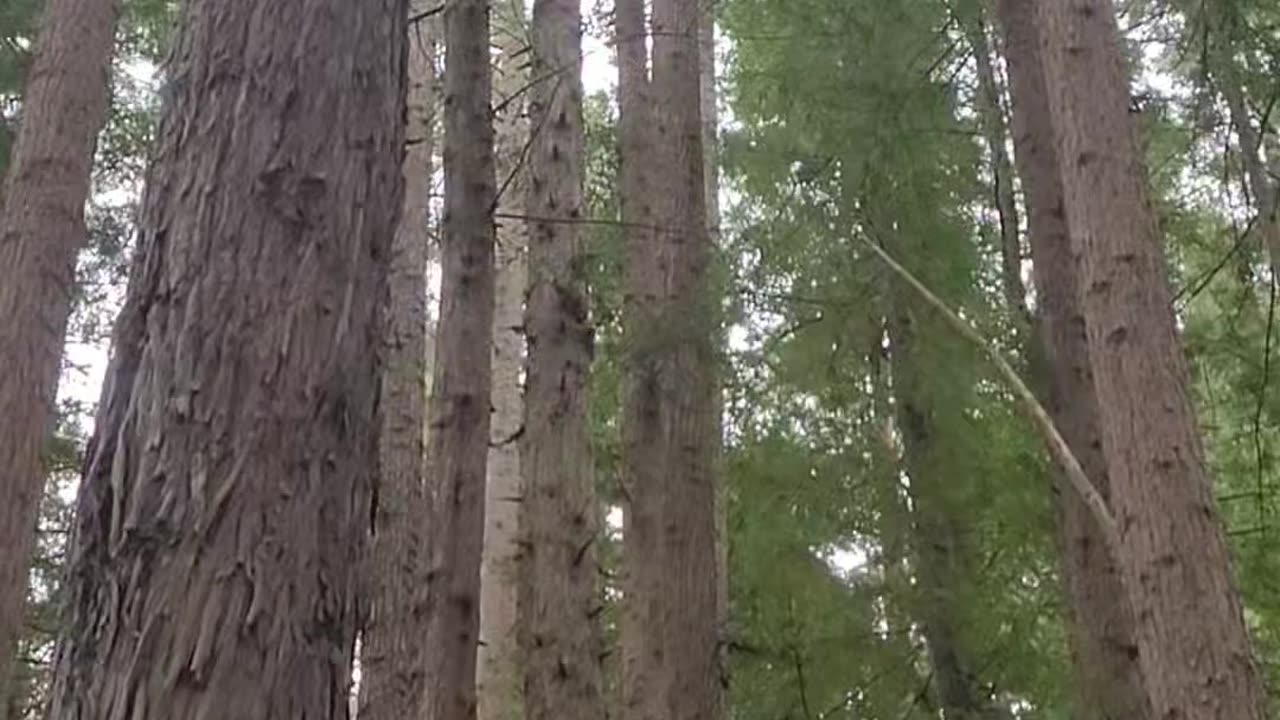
(498, 670)
(559, 605)
(41, 233)
(1101, 628)
(460, 402)
(1192, 642)
(643, 660)
(391, 660)
(688, 382)
(227, 494)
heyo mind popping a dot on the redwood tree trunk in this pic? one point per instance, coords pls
(1192, 643)
(460, 404)
(41, 232)
(559, 605)
(391, 677)
(226, 497)
(1101, 625)
(688, 383)
(643, 682)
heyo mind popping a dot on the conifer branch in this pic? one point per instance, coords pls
(1057, 445)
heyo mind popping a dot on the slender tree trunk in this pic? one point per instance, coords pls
(559, 604)
(1192, 642)
(688, 382)
(498, 671)
(643, 680)
(227, 495)
(460, 402)
(41, 234)
(391, 650)
(991, 110)
(943, 571)
(1102, 629)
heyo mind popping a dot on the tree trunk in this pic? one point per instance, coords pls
(41, 234)
(227, 495)
(498, 670)
(1101, 628)
(391, 649)
(1192, 643)
(943, 571)
(688, 383)
(559, 604)
(991, 110)
(643, 681)
(460, 402)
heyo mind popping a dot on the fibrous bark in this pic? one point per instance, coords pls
(460, 420)
(391, 660)
(42, 231)
(225, 503)
(498, 669)
(559, 605)
(688, 383)
(1193, 646)
(1101, 623)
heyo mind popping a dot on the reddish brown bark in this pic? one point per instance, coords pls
(1192, 643)
(1101, 625)
(41, 232)
(462, 390)
(226, 498)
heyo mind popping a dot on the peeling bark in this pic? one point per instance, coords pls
(227, 494)
(41, 233)
(1193, 646)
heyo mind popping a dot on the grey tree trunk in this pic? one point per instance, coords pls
(559, 604)
(460, 420)
(391, 660)
(1103, 645)
(498, 669)
(226, 500)
(41, 233)
(1193, 646)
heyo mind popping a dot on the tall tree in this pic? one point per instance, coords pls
(391, 677)
(498, 671)
(460, 420)
(42, 230)
(688, 381)
(1102, 630)
(1193, 646)
(559, 605)
(643, 682)
(226, 497)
